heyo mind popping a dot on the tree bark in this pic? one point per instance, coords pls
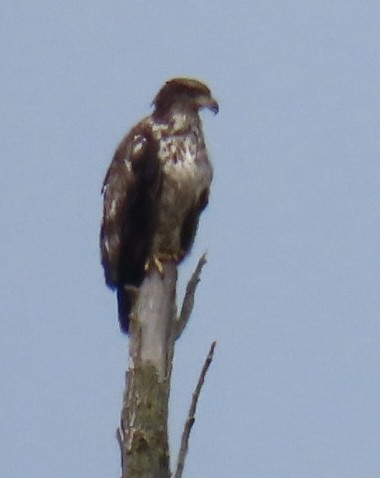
(154, 328)
(143, 433)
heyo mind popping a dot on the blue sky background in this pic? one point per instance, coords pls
(291, 290)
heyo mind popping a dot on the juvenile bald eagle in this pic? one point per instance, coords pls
(155, 189)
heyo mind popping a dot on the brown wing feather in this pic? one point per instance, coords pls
(190, 224)
(130, 190)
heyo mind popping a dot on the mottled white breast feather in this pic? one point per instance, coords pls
(187, 173)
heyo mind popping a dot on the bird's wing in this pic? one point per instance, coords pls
(130, 188)
(190, 223)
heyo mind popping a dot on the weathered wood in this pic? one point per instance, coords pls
(154, 328)
(143, 433)
(191, 415)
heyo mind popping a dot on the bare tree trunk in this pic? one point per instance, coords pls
(154, 328)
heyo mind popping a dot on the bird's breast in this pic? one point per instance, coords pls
(186, 169)
(186, 174)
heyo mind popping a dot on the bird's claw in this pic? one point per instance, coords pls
(156, 261)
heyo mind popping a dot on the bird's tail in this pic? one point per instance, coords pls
(124, 305)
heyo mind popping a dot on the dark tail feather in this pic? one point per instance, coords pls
(124, 304)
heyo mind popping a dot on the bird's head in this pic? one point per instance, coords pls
(186, 92)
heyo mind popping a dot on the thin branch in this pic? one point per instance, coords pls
(188, 301)
(192, 410)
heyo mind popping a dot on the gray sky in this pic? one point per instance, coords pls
(291, 290)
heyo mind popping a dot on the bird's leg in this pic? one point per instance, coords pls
(156, 261)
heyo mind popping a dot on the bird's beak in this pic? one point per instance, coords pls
(213, 106)
(208, 102)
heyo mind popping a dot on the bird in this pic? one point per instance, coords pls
(155, 189)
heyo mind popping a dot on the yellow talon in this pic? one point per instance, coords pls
(156, 260)
(158, 264)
